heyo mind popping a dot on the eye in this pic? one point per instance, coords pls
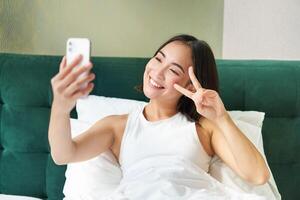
(159, 60)
(174, 72)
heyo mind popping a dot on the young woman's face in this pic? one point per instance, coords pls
(167, 67)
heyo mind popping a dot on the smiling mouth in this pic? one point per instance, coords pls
(154, 84)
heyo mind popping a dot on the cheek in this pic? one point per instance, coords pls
(148, 67)
(150, 64)
(172, 81)
(178, 80)
(146, 71)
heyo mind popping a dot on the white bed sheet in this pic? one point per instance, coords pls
(16, 197)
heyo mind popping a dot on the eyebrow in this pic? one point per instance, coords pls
(176, 64)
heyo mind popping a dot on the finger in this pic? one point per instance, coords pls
(207, 103)
(209, 99)
(71, 77)
(66, 70)
(194, 79)
(62, 63)
(209, 93)
(84, 92)
(78, 84)
(184, 91)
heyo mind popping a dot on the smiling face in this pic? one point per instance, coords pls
(167, 67)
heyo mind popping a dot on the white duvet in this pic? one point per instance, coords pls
(165, 177)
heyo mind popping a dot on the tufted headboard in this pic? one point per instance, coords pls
(26, 167)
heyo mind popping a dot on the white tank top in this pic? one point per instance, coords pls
(174, 136)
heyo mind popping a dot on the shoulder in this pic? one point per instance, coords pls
(115, 118)
(116, 122)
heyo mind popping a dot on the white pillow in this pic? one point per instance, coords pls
(220, 171)
(93, 108)
(252, 117)
(94, 178)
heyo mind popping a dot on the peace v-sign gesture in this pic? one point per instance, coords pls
(208, 102)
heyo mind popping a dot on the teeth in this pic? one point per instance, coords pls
(155, 84)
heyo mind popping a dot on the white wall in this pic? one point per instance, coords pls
(261, 29)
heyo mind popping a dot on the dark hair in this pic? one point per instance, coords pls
(205, 70)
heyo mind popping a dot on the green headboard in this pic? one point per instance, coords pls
(26, 167)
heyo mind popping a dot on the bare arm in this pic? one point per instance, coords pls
(237, 151)
(66, 86)
(97, 139)
(85, 146)
(228, 142)
(59, 136)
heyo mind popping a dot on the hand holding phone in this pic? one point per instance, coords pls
(74, 79)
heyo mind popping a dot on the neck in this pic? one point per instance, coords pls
(158, 110)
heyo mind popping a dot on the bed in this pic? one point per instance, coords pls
(26, 166)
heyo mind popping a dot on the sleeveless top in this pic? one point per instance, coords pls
(174, 136)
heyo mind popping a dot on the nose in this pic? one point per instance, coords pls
(159, 72)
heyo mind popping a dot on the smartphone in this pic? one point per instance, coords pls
(76, 46)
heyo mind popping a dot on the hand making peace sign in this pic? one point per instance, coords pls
(208, 102)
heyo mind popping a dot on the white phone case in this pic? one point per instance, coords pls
(76, 46)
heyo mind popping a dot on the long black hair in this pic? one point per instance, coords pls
(205, 70)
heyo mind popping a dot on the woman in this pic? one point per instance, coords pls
(184, 124)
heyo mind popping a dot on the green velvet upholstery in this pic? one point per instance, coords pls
(26, 167)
